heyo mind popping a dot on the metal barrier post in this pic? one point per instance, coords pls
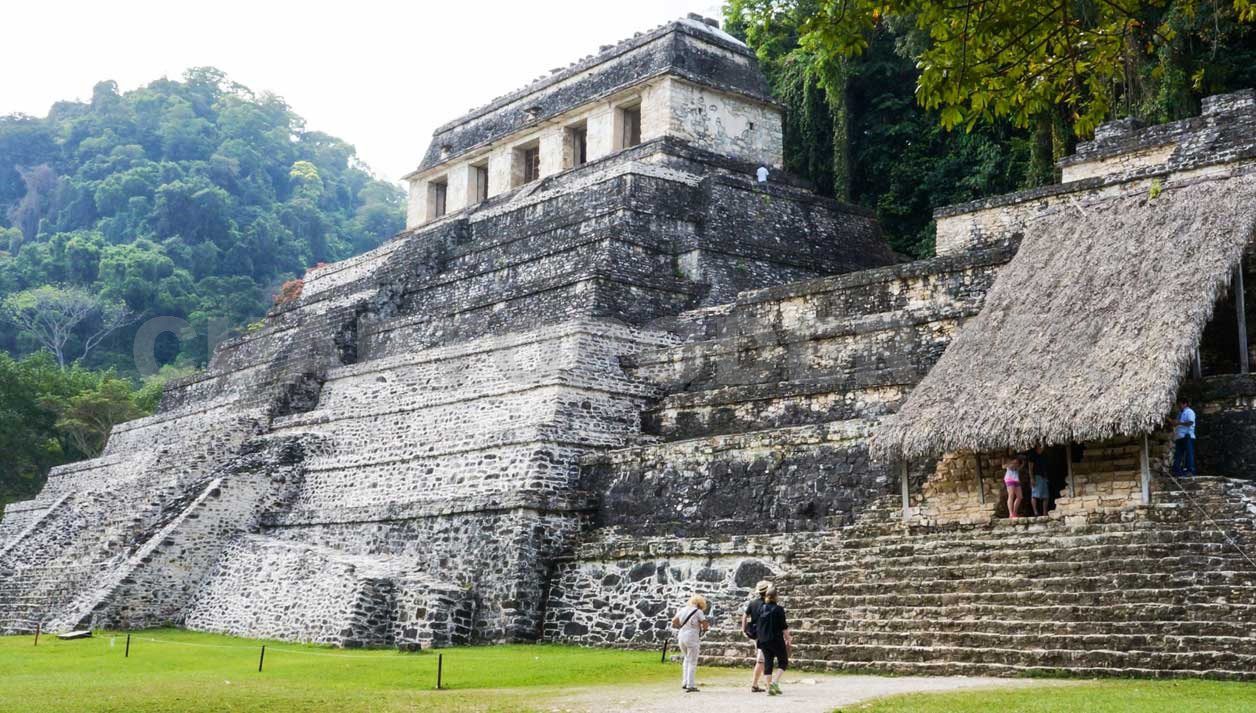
(440, 668)
(127, 655)
(38, 627)
(261, 659)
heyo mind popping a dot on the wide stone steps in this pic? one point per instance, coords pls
(1063, 540)
(858, 564)
(1203, 557)
(1020, 627)
(952, 663)
(1003, 610)
(809, 640)
(1062, 658)
(1186, 594)
(1069, 585)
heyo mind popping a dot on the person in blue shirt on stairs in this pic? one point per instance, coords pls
(1184, 439)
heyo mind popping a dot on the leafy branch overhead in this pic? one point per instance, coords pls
(1083, 61)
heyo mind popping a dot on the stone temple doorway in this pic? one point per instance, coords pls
(1056, 465)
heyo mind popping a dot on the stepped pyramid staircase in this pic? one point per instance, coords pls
(1162, 591)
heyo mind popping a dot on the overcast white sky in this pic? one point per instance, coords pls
(380, 75)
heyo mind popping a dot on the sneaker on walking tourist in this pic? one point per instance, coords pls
(690, 621)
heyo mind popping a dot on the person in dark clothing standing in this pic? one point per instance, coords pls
(774, 640)
(1040, 481)
(750, 627)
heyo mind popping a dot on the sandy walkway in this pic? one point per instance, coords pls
(726, 691)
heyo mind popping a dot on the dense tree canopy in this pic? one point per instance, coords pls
(868, 83)
(853, 126)
(192, 199)
(51, 415)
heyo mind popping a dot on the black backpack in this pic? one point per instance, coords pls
(752, 626)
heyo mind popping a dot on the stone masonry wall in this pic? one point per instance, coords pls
(1106, 477)
(1226, 435)
(498, 550)
(1123, 160)
(282, 590)
(765, 481)
(623, 590)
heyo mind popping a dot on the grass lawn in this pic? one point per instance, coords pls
(172, 670)
(1117, 696)
(178, 671)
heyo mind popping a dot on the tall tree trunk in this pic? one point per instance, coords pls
(839, 108)
(1041, 168)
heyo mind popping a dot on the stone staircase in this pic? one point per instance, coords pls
(1161, 591)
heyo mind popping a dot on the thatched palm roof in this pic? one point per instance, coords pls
(1088, 332)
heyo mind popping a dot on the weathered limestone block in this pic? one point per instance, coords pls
(622, 591)
(274, 589)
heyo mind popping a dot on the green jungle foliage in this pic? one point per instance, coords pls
(908, 106)
(192, 199)
(51, 415)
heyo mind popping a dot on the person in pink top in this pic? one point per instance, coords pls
(1011, 480)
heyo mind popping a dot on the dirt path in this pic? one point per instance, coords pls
(726, 691)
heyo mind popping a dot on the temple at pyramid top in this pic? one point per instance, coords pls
(686, 79)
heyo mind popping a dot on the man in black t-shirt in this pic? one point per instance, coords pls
(750, 627)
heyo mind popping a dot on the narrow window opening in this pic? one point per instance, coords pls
(630, 123)
(577, 145)
(531, 164)
(479, 178)
(440, 192)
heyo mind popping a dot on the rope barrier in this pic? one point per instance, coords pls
(1191, 499)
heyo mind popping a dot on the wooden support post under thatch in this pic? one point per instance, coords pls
(1068, 460)
(981, 486)
(1241, 309)
(1197, 368)
(906, 493)
(1144, 471)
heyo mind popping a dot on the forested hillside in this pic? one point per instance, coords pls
(191, 199)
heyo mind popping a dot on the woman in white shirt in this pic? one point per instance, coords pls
(690, 621)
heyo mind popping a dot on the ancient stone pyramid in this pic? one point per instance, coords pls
(607, 365)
